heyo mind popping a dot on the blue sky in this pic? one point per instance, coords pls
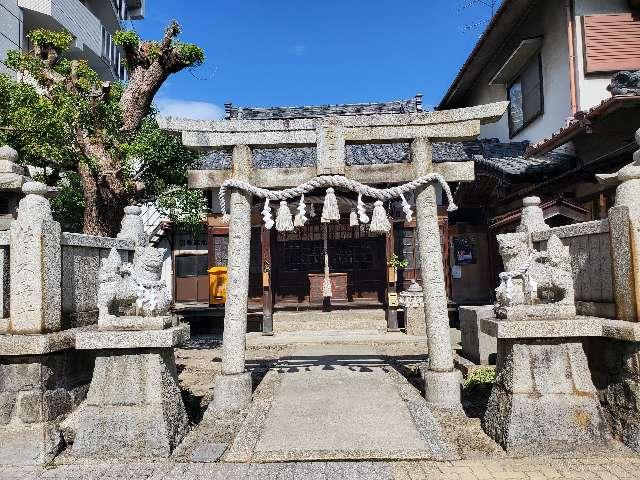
(308, 52)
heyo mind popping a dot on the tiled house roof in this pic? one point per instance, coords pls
(412, 105)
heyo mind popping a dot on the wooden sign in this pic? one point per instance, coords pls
(393, 299)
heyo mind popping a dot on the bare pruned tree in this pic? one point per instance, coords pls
(486, 6)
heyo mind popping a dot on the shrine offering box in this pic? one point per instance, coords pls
(338, 287)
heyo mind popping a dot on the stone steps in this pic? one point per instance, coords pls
(338, 320)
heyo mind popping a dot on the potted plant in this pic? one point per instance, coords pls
(395, 263)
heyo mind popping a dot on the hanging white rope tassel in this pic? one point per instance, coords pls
(326, 283)
(362, 211)
(301, 217)
(266, 215)
(353, 218)
(379, 221)
(312, 210)
(406, 208)
(330, 208)
(284, 220)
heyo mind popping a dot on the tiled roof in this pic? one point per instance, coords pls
(411, 105)
(505, 158)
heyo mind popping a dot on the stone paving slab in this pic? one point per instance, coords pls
(337, 403)
(589, 467)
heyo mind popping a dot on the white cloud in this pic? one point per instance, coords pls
(297, 50)
(173, 107)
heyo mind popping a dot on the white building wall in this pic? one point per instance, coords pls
(547, 20)
(73, 16)
(10, 30)
(592, 88)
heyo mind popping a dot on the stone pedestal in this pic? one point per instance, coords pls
(413, 303)
(134, 407)
(477, 346)
(544, 399)
(230, 392)
(41, 381)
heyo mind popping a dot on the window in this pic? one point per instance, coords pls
(191, 265)
(525, 96)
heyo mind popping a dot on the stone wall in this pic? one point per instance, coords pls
(36, 393)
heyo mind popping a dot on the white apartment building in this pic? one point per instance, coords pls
(92, 22)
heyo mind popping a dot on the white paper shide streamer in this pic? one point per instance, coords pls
(362, 211)
(266, 215)
(406, 208)
(301, 216)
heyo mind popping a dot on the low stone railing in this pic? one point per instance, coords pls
(79, 264)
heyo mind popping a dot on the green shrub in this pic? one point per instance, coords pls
(483, 377)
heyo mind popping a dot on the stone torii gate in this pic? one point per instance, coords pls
(232, 388)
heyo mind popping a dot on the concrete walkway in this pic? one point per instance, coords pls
(337, 403)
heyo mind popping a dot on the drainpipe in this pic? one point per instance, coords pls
(572, 56)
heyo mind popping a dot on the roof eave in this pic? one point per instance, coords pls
(566, 134)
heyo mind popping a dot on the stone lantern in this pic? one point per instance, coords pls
(412, 300)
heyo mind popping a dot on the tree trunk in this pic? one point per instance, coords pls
(104, 208)
(137, 98)
(105, 190)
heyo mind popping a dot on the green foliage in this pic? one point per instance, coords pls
(59, 40)
(483, 377)
(44, 128)
(162, 159)
(68, 204)
(189, 53)
(186, 209)
(398, 263)
(126, 39)
(153, 51)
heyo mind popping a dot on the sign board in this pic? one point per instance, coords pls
(393, 299)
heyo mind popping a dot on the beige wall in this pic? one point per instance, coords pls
(547, 20)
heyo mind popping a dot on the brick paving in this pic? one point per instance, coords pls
(601, 467)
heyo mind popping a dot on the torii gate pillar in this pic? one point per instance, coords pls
(232, 387)
(441, 379)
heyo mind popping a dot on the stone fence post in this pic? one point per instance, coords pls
(624, 224)
(35, 265)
